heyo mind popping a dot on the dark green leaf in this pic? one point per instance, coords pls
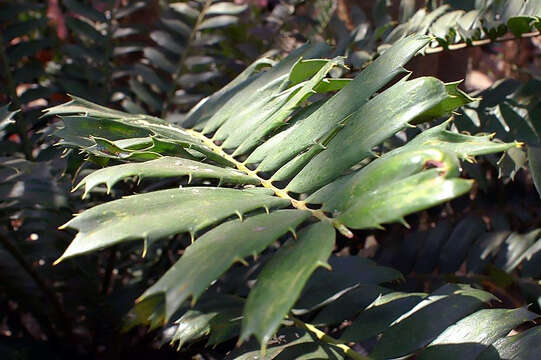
(285, 274)
(214, 252)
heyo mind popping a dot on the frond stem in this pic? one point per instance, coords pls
(322, 336)
(180, 63)
(298, 204)
(464, 45)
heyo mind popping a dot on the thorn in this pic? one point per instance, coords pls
(239, 215)
(220, 182)
(405, 223)
(324, 264)
(469, 159)
(145, 247)
(267, 210)
(189, 178)
(292, 231)
(344, 230)
(320, 145)
(78, 186)
(192, 237)
(57, 261)
(240, 260)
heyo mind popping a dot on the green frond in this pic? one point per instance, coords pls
(291, 147)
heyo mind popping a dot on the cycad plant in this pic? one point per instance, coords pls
(264, 176)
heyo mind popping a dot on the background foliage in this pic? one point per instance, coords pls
(160, 58)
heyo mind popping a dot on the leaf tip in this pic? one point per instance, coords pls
(62, 227)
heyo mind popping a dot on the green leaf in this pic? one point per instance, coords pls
(391, 203)
(470, 336)
(516, 249)
(347, 305)
(210, 105)
(23, 28)
(428, 319)
(185, 9)
(191, 326)
(82, 106)
(86, 30)
(381, 117)
(305, 69)
(328, 85)
(226, 8)
(370, 196)
(293, 343)
(524, 346)
(279, 115)
(218, 22)
(340, 106)
(260, 90)
(85, 10)
(27, 48)
(116, 125)
(217, 315)
(534, 162)
(167, 41)
(455, 99)
(348, 272)
(457, 246)
(464, 146)
(159, 214)
(519, 25)
(285, 274)
(6, 117)
(380, 314)
(391, 167)
(163, 168)
(214, 252)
